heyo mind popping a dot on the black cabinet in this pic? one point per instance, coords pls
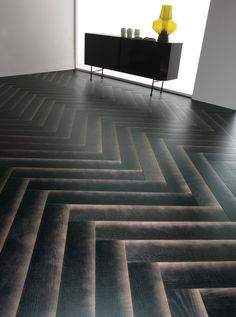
(158, 61)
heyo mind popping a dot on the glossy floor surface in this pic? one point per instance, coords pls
(114, 204)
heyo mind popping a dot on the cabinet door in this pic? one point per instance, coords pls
(102, 51)
(145, 58)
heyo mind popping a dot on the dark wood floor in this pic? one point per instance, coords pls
(114, 204)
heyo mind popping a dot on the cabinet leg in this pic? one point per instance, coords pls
(152, 87)
(162, 87)
(91, 73)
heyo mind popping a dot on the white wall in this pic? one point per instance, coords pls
(109, 16)
(216, 76)
(36, 36)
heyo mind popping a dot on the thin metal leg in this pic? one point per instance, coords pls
(162, 87)
(152, 87)
(102, 74)
(91, 73)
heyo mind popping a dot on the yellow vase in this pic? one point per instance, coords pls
(164, 25)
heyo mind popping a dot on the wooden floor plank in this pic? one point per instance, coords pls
(77, 291)
(41, 289)
(17, 251)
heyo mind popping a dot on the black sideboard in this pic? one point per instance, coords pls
(158, 61)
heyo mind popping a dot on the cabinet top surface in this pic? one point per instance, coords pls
(131, 39)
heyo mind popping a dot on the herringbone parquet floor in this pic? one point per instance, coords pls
(114, 204)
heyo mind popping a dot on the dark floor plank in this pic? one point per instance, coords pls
(187, 303)
(220, 301)
(113, 297)
(148, 291)
(77, 291)
(41, 289)
(17, 251)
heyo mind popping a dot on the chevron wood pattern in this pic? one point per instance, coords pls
(112, 203)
